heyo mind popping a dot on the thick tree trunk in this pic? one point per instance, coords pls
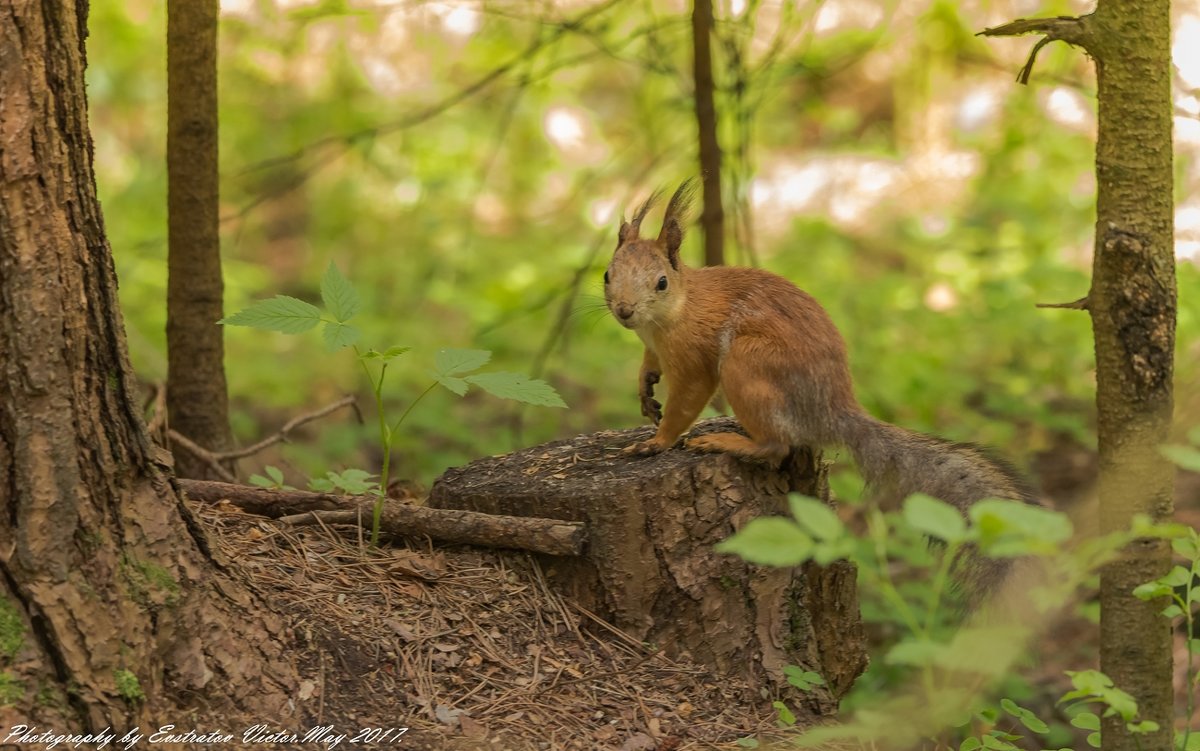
(650, 565)
(1132, 306)
(712, 217)
(197, 398)
(108, 587)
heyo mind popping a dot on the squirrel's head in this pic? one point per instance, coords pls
(643, 283)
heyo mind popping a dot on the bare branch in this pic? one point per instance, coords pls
(282, 434)
(550, 536)
(1074, 30)
(1080, 304)
(200, 453)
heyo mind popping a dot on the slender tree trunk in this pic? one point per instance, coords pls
(1132, 306)
(197, 399)
(712, 218)
(107, 587)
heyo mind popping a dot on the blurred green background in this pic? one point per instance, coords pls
(465, 165)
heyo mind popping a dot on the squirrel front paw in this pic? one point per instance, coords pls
(644, 448)
(652, 408)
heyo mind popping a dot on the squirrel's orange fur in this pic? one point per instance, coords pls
(781, 364)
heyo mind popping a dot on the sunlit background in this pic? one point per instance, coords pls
(466, 163)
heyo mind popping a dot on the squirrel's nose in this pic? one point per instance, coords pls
(624, 311)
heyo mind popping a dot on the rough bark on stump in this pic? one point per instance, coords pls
(650, 566)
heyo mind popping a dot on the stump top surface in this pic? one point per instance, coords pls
(554, 466)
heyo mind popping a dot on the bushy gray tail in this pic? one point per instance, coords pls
(897, 462)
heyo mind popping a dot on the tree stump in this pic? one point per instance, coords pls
(649, 566)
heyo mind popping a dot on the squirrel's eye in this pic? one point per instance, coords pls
(606, 277)
(662, 283)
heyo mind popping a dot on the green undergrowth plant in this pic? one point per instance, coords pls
(453, 369)
(943, 667)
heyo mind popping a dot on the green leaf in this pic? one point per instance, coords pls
(338, 335)
(1177, 577)
(457, 385)
(281, 313)
(518, 388)
(970, 744)
(391, 353)
(274, 473)
(340, 298)
(1033, 722)
(1152, 590)
(1094, 685)
(769, 541)
(1183, 456)
(458, 361)
(815, 517)
(935, 518)
(261, 481)
(994, 743)
(1008, 528)
(1027, 718)
(1172, 611)
(1145, 726)
(786, 718)
(1192, 743)
(1093, 740)
(1188, 547)
(805, 680)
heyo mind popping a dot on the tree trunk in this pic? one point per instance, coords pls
(108, 587)
(197, 398)
(712, 217)
(650, 566)
(1132, 304)
(1132, 307)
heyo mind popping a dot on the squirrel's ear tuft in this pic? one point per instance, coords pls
(625, 233)
(672, 237)
(672, 229)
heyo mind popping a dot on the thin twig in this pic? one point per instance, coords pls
(282, 433)
(437, 108)
(202, 454)
(1080, 304)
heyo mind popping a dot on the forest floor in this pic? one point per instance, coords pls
(471, 649)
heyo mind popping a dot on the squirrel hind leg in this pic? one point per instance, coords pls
(771, 454)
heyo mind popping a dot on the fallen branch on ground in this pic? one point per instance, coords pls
(549, 536)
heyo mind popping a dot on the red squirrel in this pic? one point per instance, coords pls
(781, 364)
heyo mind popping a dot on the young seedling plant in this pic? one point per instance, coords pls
(454, 369)
(933, 646)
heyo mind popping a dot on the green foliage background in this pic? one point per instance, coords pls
(346, 136)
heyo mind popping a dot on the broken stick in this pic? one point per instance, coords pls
(549, 536)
